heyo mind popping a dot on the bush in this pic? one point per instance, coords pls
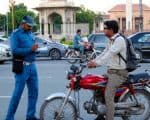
(67, 42)
(63, 40)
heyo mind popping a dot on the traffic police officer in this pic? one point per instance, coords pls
(23, 44)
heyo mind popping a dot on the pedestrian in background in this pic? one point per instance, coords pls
(24, 49)
(50, 38)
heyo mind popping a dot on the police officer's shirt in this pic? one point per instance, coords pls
(21, 44)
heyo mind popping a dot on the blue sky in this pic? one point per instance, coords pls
(95, 5)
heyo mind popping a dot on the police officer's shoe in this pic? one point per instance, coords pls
(100, 117)
(33, 118)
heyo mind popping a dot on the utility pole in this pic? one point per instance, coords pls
(141, 16)
(7, 24)
(129, 15)
(12, 2)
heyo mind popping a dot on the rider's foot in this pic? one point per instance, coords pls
(100, 117)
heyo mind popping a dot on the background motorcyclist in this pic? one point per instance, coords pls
(77, 42)
(86, 43)
(117, 73)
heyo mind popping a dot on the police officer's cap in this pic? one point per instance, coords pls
(28, 20)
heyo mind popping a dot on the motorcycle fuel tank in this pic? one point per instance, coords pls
(91, 81)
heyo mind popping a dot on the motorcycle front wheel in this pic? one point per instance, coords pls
(95, 54)
(50, 108)
(143, 97)
(72, 57)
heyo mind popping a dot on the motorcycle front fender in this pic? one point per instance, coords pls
(55, 95)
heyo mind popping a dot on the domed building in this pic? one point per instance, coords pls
(57, 18)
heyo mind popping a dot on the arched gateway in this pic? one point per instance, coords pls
(57, 17)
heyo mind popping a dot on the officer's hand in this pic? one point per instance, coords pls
(35, 47)
(91, 64)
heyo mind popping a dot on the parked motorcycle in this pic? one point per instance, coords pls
(132, 98)
(74, 55)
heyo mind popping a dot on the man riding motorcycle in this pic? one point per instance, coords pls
(117, 73)
(77, 42)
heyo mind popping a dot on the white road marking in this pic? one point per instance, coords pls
(5, 97)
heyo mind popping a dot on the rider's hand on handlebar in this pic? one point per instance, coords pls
(91, 64)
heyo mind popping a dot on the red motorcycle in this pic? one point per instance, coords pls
(132, 99)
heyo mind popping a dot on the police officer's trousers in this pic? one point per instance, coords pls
(29, 77)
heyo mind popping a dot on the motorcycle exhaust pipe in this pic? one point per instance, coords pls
(125, 105)
(124, 108)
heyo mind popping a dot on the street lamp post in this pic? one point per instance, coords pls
(12, 2)
(141, 15)
(7, 24)
(129, 15)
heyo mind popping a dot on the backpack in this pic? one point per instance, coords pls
(131, 59)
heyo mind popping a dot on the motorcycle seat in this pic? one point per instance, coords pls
(88, 49)
(134, 78)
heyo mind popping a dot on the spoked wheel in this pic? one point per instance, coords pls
(142, 97)
(95, 54)
(49, 110)
(72, 57)
(88, 55)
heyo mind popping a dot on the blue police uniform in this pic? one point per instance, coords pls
(21, 44)
(78, 39)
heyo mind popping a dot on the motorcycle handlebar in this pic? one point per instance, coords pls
(78, 69)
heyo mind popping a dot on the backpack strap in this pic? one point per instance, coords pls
(122, 57)
(126, 44)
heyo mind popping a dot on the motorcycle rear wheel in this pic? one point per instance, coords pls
(49, 110)
(142, 97)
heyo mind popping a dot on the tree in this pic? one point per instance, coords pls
(2, 22)
(20, 10)
(85, 16)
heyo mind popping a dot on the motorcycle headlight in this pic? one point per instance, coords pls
(70, 75)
